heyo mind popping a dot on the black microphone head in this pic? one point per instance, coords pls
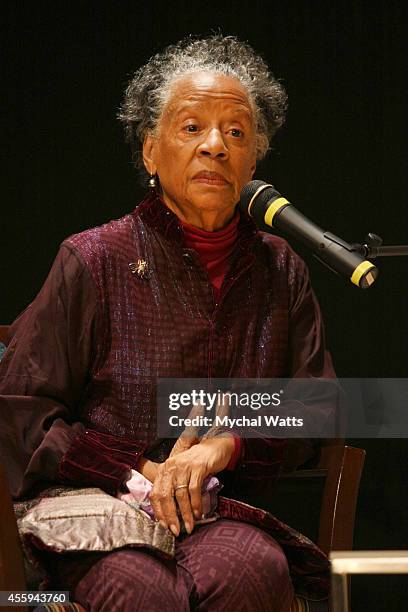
(255, 197)
(248, 192)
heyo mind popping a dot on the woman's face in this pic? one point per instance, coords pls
(205, 148)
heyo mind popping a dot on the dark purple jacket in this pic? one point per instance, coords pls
(87, 352)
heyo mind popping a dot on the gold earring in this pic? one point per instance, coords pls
(152, 182)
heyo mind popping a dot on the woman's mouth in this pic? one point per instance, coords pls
(210, 178)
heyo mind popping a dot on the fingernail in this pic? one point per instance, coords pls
(174, 530)
(163, 524)
(188, 527)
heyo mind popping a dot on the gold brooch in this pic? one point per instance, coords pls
(140, 268)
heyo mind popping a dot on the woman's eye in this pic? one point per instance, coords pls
(191, 128)
(236, 133)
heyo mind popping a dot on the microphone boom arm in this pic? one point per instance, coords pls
(373, 248)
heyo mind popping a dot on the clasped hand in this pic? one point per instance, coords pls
(189, 463)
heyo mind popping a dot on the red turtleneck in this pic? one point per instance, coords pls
(214, 249)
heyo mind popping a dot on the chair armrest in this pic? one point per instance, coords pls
(12, 576)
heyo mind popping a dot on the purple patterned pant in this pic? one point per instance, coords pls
(226, 565)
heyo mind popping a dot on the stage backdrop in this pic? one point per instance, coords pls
(342, 159)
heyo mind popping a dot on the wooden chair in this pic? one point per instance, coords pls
(11, 559)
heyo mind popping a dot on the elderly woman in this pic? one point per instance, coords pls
(182, 287)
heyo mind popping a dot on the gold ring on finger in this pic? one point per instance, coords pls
(183, 486)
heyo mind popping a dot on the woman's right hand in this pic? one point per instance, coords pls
(179, 479)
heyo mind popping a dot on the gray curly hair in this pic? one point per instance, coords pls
(150, 87)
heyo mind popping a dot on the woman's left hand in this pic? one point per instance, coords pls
(179, 480)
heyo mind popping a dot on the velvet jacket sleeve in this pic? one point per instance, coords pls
(262, 459)
(43, 376)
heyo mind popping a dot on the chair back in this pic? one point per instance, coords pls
(321, 502)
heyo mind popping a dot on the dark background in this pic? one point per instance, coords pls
(341, 158)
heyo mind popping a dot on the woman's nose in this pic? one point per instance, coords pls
(213, 145)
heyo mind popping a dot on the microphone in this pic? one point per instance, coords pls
(267, 206)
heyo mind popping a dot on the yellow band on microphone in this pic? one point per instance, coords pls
(360, 271)
(274, 208)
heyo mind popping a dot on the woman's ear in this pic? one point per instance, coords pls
(149, 154)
